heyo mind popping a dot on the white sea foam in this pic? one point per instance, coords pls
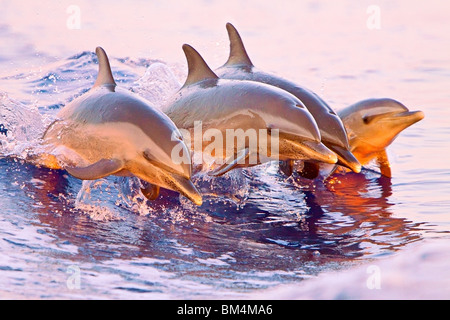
(22, 124)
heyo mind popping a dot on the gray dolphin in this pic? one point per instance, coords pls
(245, 105)
(240, 67)
(373, 124)
(111, 131)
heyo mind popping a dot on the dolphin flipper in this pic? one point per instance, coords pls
(98, 170)
(150, 191)
(287, 167)
(231, 163)
(310, 170)
(383, 162)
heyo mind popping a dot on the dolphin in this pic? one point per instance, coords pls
(240, 67)
(111, 131)
(372, 125)
(224, 105)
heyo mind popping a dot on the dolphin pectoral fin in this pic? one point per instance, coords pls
(287, 167)
(98, 170)
(231, 163)
(383, 162)
(310, 170)
(150, 191)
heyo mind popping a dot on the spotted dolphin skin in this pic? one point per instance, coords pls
(372, 125)
(111, 131)
(223, 105)
(333, 135)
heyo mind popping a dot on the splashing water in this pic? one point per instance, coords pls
(22, 126)
(157, 84)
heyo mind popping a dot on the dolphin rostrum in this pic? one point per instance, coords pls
(244, 106)
(372, 125)
(111, 131)
(240, 67)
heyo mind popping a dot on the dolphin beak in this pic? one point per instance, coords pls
(408, 118)
(186, 188)
(346, 158)
(318, 151)
(402, 120)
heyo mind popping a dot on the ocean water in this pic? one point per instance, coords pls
(256, 231)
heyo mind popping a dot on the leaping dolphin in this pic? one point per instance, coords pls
(111, 131)
(333, 135)
(224, 105)
(372, 125)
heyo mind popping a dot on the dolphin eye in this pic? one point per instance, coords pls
(366, 119)
(147, 155)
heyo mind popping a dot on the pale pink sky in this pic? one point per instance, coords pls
(159, 28)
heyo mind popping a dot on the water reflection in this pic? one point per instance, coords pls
(363, 201)
(348, 217)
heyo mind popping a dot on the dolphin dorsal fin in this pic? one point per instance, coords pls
(198, 70)
(238, 54)
(105, 76)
